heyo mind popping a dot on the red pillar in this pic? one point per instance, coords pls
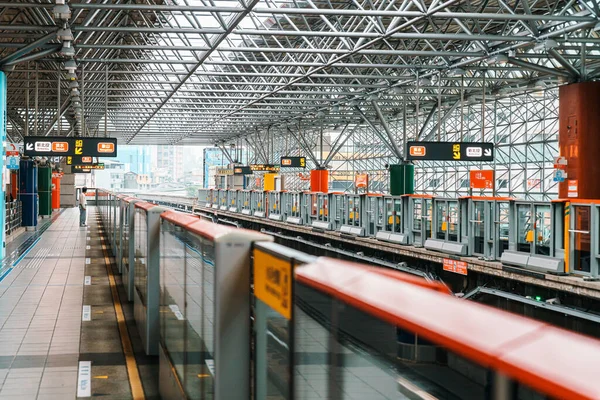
(55, 193)
(14, 184)
(319, 180)
(579, 139)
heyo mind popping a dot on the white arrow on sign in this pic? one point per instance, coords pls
(29, 146)
(487, 152)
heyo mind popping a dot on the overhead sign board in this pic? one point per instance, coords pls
(82, 171)
(481, 179)
(361, 181)
(64, 146)
(293, 162)
(77, 160)
(264, 167)
(242, 170)
(224, 171)
(88, 166)
(273, 282)
(450, 151)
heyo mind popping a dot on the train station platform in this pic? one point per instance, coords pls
(147, 302)
(59, 323)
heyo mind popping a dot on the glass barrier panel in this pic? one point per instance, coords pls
(543, 229)
(582, 242)
(503, 226)
(441, 220)
(417, 213)
(141, 254)
(453, 221)
(524, 228)
(341, 352)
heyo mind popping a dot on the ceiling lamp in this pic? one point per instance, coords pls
(65, 34)
(71, 76)
(353, 103)
(67, 50)
(499, 59)
(74, 92)
(397, 90)
(70, 66)
(373, 97)
(320, 114)
(61, 11)
(336, 108)
(424, 82)
(73, 85)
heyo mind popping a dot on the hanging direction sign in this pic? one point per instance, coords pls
(293, 162)
(450, 151)
(65, 146)
(264, 167)
(88, 166)
(77, 160)
(242, 170)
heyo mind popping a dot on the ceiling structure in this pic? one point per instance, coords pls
(201, 72)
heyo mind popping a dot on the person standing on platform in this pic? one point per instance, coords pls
(82, 206)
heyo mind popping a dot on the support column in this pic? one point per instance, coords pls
(402, 179)
(3, 119)
(28, 175)
(319, 180)
(45, 190)
(55, 191)
(579, 142)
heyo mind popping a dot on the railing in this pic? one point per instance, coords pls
(537, 236)
(322, 328)
(13, 216)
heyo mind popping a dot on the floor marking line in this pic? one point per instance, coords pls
(18, 260)
(135, 382)
(5, 274)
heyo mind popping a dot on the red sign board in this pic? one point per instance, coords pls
(361, 180)
(483, 179)
(455, 266)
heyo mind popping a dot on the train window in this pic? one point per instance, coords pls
(543, 229)
(524, 228)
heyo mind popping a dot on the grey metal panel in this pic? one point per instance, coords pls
(514, 258)
(546, 264)
(276, 217)
(399, 238)
(260, 214)
(294, 220)
(321, 225)
(383, 236)
(434, 244)
(455, 248)
(233, 209)
(246, 211)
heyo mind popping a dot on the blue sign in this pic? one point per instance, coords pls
(559, 176)
(12, 162)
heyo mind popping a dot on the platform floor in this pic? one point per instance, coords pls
(47, 331)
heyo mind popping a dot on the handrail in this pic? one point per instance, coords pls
(530, 352)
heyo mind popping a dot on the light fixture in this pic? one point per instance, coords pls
(70, 66)
(454, 72)
(336, 108)
(73, 85)
(320, 114)
(353, 103)
(61, 11)
(373, 96)
(498, 59)
(397, 90)
(547, 44)
(75, 92)
(75, 98)
(67, 50)
(71, 76)
(64, 34)
(424, 82)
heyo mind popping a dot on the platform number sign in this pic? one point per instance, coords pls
(450, 151)
(293, 162)
(78, 147)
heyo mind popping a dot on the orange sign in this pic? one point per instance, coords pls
(86, 159)
(57, 174)
(286, 161)
(60, 147)
(361, 180)
(455, 266)
(417, 151)
(481, 179)
(106, 147)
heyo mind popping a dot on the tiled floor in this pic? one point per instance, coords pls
(40, 315)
